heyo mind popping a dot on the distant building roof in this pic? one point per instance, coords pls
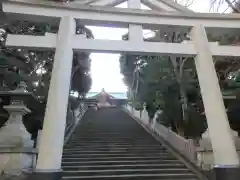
(117, 95)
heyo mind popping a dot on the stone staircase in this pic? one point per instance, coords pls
(111, 145)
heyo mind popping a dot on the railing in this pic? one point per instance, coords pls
(184, 146)
(77, 115)
(70, 128)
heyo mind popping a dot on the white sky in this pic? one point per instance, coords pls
(105, 68)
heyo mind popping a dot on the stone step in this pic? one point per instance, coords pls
(125, 172)
(103, 154)
(74, 159)
(137, 177)
(110, 145)
(108, 148)
(104, 131)
(126, 166)
(118, 162)
(115, 157)
(84, 151)
(108, 137)
(80, 150)
(126, 142)
(120, 143)
(133, 144)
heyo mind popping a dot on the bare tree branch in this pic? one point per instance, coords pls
(185, 3)
(232, 5)
(216, 4)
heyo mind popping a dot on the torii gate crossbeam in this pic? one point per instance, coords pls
(80, 43)
(118, 17)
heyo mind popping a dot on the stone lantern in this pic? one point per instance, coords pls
(15, 141)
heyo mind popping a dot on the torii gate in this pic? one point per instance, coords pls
(168, 15)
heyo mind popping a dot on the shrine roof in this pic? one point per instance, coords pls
(116, 95)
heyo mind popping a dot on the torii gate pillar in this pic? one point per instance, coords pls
(52, 136)
(226, 159)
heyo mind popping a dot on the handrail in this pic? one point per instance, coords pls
(76, 119)
(68, 128)
(185, 146)
(73, 126)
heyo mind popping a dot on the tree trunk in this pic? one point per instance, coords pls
(196, 141)
(184, 102)
(180, 129)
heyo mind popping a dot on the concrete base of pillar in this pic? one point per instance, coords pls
(227, 173)
(43, 175)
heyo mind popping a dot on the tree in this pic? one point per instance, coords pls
(34, 68)
(175, 78)
(159, 87)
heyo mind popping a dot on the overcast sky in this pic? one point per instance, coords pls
(105, 67)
